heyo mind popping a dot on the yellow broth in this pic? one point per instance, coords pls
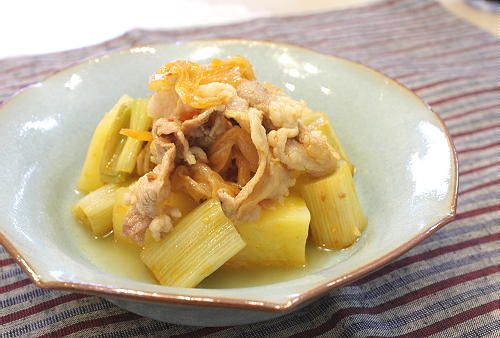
(124, 261)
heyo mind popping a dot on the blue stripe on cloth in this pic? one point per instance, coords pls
(460, 109)
(485, 196)
(30, 326)
(476, 139)
(483, 166)
(326, 305)
(406, 317)
(466, 120)
(445, 89)
(483, 177)
(379, 291)
(332, 298)
(399, 37)
(476, 118)
(490, 330)
(453, 231)
(402, 280)
(24, 297)
(16, 271)
(470, 121)
(489, 154)
(482, 187)
(147, 329)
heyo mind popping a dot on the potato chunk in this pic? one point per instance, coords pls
(278, 238)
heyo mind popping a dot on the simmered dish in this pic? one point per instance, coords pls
(217, 168)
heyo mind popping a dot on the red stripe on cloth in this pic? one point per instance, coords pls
(200, 333)
(406, 76)
(36, 61)
(485, 185)
(429, 67)
(375, 22)
(462, 50)
(475, 131)
(23, 81)
(187, 34)
(5, 262)
(40, 307)
(399, 301)
(29, 81)
(454, 320)
(377, 6)
(342, 23)
(393, 26)
(440, 82)
(487, 146)
(31, 76)
(460, 96)
(379, 34)
(475, 170)
(9, 90)
(368, 9)
(425, 256)
(477, 110)
(91, 323)
(423, 45)
(379, 16)
(477, 212)
(32, 63)
(15, 285)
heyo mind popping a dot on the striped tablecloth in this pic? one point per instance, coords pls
(447, 286)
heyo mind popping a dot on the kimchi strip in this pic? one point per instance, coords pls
(219, 152)
(200, 182)
(186, 77)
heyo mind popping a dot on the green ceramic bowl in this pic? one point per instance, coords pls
(406, 175)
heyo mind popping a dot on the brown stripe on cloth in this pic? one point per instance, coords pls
(5, 262)
(406, 298)
(474, 170)
(495, 183)
(26, 312)
(445, 285)
(455, 320)
(473, 111)
(407, 260)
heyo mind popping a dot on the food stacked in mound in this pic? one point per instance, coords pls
(217, 168)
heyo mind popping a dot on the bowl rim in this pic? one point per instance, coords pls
(213, 301)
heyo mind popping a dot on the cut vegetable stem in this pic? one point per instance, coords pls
(336, 215)
(96, 209)
(140, 122)
(200, 243)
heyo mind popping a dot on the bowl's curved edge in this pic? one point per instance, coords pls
(72, 64)
(106, 290)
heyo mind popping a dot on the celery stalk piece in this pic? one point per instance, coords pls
(139, 121)
(114, 145)
(200, 243)
(90, 177)
(96, 209)
(337, 218)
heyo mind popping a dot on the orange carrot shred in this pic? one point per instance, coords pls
(137, 134)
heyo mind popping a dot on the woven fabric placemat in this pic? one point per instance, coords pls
(447, 286)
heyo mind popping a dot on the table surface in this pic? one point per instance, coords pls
(90, 22)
